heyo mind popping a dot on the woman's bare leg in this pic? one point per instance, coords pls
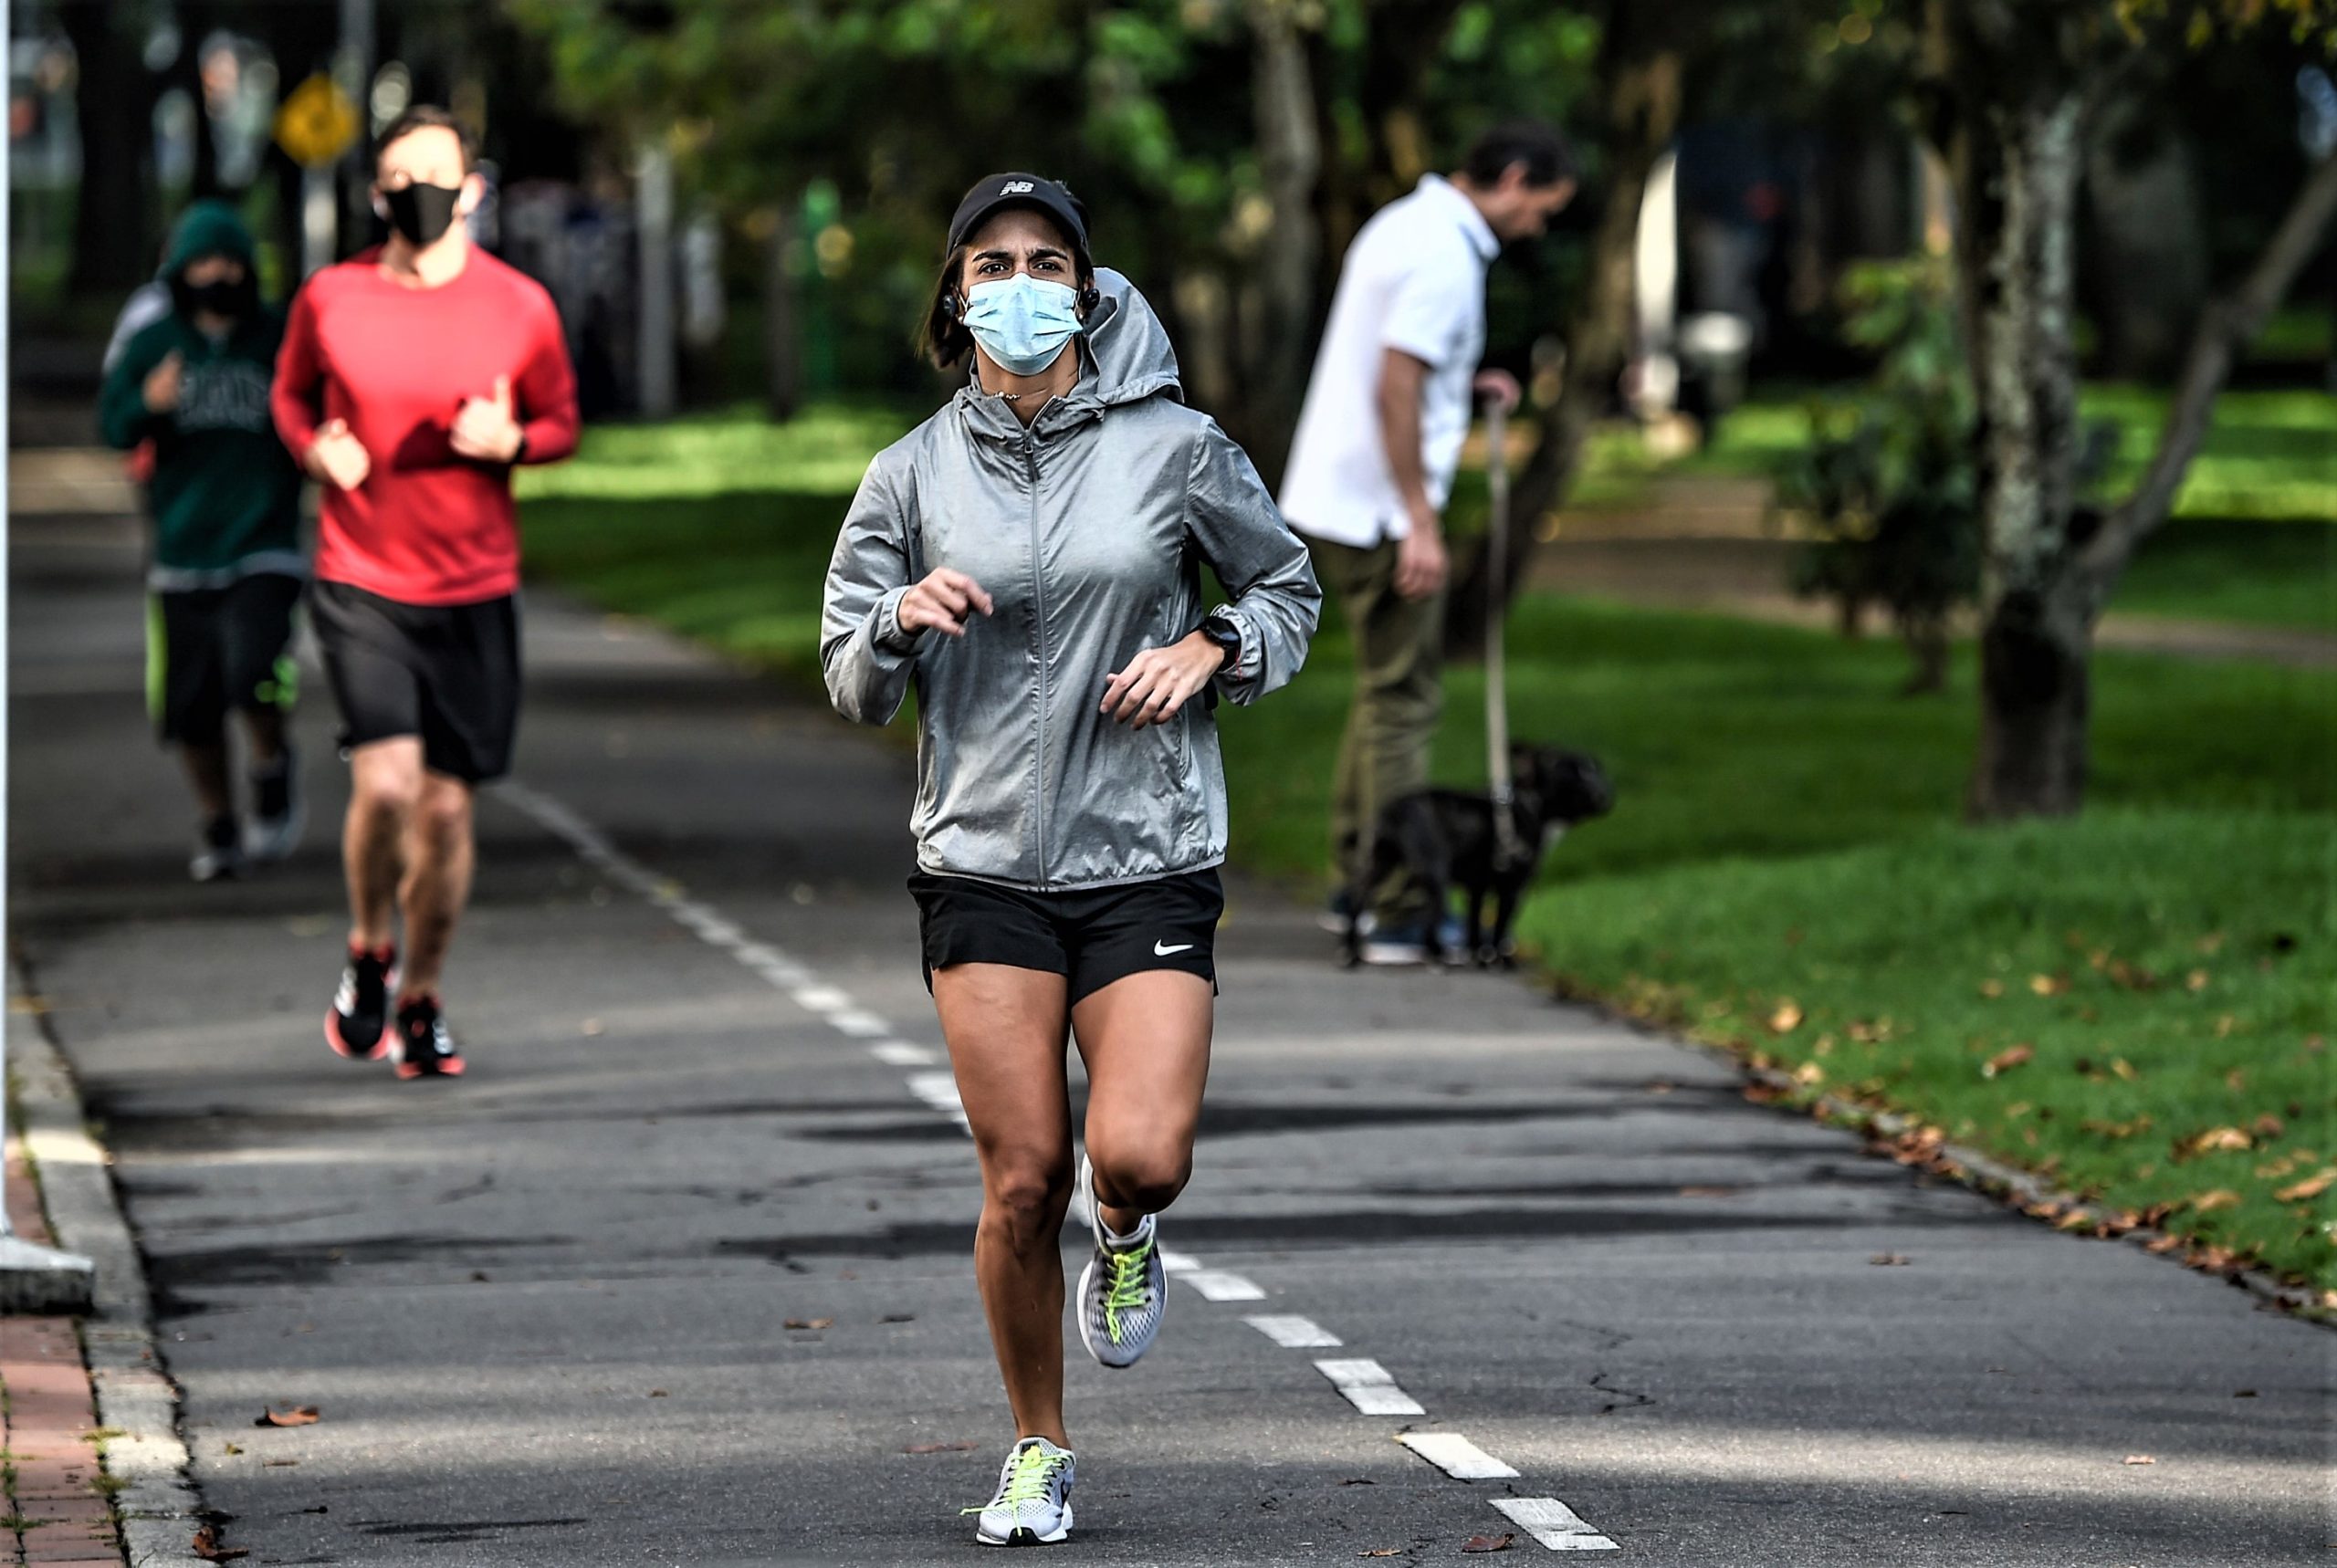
(1145, 1039)
(1006, 1027)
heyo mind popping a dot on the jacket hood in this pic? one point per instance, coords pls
(207, 228)
(1129, 345)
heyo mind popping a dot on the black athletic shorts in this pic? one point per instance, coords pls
(212, 649)
(1091, 937)
(446, 673)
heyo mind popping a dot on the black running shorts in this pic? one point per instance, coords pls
(1091, 937)
(209, 650)
(446, 673)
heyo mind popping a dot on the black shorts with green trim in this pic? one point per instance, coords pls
(1092, 937)
(211, 650)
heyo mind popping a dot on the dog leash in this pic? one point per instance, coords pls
(1508, 851)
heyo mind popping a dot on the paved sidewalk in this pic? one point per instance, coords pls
(679, 1273)
(55, 1489)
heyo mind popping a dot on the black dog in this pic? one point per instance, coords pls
(1443, 838)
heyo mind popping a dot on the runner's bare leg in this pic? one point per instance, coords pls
(440, 855)
(384, 786)
(1005, 1028)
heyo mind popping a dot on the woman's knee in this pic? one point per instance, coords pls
(1147, 1178)
(1024, 1197)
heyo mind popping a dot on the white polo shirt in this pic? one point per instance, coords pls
(1414, 281)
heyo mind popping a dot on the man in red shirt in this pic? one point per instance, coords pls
(412, 377)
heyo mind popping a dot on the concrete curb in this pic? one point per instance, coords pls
(158, 1505)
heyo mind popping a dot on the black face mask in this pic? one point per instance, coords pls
(422, 213)
(234, 300)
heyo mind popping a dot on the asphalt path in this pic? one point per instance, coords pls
(680, 1274)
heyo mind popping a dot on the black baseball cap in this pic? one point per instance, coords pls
(994, 191)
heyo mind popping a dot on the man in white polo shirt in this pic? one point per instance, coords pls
(1371, 466)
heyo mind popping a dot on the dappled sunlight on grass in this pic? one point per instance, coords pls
(823, 452)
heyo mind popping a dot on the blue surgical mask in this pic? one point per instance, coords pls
(1022, 322)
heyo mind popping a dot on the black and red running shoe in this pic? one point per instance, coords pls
(424, 1046)
(353, 1028)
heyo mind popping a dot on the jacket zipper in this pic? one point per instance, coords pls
(1039, 609)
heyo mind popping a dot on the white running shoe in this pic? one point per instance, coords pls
(1124, 1290)
(1034, 1502)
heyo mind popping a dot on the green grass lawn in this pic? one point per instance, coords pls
(2253, 538)
(1787, 828)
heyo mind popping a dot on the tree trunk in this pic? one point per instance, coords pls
(2035, 618)
(1290, 158)
(1641, 75)
(113, 243)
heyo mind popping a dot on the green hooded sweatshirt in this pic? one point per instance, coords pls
(226, 496)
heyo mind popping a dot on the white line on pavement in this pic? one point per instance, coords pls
(901, 1053)
(1218, 1285)
(1456, 1455)
(1293, 1333)
(1553, 1524)
(1173, 1262)
(858, 1024)
(1369, 1386)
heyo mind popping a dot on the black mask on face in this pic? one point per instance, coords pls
(219, 297)
(422, 213)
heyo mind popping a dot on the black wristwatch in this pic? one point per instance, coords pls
(1221, 630)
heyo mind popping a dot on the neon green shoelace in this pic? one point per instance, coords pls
(1127, 1293)
(1034, 1468)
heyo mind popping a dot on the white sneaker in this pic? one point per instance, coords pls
(1124, 1290)
(1034, 1502)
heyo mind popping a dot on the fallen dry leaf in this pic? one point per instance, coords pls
(1501, 1543)
(659, 1394)
(2197, 980)
(1382, 1551)
(233, 1447)
(2267, 1126)
(2049, 985)
(2140, 1459)
(1889, 1260)
(206, 1546)
(2311, 1186)
(2213, 1140)
(2005, 1060)
(2161, 1244)
(298, 1416)
(809, 1323)
(279, 1464)
(1786, 1018)
(939, 1448)
(1992, 988)
(2208, 1202)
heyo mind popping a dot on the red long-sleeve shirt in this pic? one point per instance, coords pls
(427, 527)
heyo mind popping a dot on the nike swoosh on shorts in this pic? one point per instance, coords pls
(1162, 949)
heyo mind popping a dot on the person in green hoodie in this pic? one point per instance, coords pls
(226, 567)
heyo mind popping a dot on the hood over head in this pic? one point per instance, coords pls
(1129, 344)
(208, 228)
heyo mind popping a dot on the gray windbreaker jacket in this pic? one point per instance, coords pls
(1088, 529)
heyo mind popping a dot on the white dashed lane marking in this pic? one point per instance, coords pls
(1368, 1387)
(1363, 1382)
(1456, 1455)
(1293, 1333)
(1553, 1524)
(1218, 1285)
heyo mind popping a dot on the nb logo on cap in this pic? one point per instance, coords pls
(1016, 188)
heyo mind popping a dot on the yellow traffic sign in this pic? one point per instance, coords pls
(316, 122)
